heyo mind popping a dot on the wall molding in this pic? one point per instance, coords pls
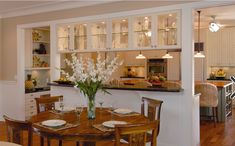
(51, 6)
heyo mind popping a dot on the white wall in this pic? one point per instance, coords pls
(11, 103)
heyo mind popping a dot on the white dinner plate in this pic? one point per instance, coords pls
(111, 124)
(122, 111)
(54, 123)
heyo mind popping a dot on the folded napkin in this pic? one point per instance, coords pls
(103, 128)
(66, 126)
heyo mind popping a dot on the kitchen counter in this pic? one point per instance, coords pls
(131, 87)
(218, 83)
(41, 89)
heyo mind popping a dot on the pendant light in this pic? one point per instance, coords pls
(140, 56)
(214, 27)
(167, 56)
(199, 53)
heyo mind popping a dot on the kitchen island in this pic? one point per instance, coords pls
(225, 89)
(129, 96)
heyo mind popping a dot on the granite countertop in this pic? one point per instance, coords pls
(130, 87)
(41, 89)
(218, 83)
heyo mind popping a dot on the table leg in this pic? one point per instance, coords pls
(88, 144)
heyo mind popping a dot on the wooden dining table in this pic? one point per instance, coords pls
(85, 131)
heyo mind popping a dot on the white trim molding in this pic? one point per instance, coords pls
(51, 6)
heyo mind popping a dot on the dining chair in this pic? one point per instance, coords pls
(137, 133)
(153, 109)
(45, 103)
(15, 130)
(208, 98)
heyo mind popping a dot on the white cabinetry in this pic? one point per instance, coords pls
(30, 103)
(139, 32)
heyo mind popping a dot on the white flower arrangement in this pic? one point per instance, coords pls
(89, 76)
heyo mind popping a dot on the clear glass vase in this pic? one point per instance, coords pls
(91, 107)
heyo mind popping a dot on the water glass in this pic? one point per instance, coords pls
(78, 111)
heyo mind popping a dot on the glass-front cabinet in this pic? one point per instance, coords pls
(139, 32)
(120, 33)
(80, 36)
(98, 35)
(63, 37)
(167, 29)
(142, 32)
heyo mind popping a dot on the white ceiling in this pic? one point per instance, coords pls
(224, 15)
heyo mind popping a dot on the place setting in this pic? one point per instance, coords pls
(108, 126)
(56, 124)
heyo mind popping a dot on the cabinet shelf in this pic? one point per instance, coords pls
(38, 68)
(42, 55)
(45, 42)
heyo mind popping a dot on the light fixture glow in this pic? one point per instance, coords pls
(214, 27)
(199, 55)
(167, 56)
(140, 56)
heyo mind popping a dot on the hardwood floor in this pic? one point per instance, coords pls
(221, 135)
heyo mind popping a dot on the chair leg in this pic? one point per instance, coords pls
(41, 141)
(77, 143)
(48, 142)
(214, 115)
(60, 142)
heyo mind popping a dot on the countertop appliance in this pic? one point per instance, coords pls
(157, 66)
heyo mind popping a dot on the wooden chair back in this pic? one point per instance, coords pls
(137, 133)
(48, 103)
(15, 130)
(153, 109)
(209, 94)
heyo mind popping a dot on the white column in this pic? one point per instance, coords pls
(187, 132)
(55, 56)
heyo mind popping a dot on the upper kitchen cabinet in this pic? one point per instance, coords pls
(168, 30)
(98, 35)
(80, 36)
(120, 33)
(142, 32)
(137, 32)
(64, 38)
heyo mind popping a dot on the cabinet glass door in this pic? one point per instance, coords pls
(80, 37)
(142, 32)
(167, 29)
(98, 35)
(120, 33)
(63, 40)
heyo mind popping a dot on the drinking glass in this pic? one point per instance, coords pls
(61, 104)
(78, 111)
(101, 102)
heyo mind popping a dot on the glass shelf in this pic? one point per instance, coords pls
(120, 33)
(142, 31)
(80, 36)
(167, 31)
(99, 35)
